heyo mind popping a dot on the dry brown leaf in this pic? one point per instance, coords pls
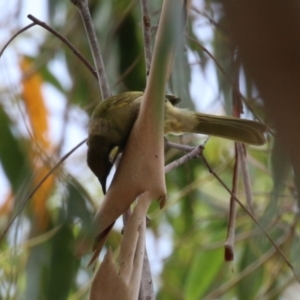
(123, 282)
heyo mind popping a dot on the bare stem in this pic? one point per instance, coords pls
(146, 287)
(196, 152)
(147, 35)
(14, 36)
(251, 216)
(246, 177)
(229, 244)
(84, 11)
(181, 147)
(240, 148)
(236, 111)
(265, 257)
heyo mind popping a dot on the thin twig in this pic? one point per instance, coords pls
(65, 41)
(246, 176)
(236, 111)
(196, 152)
(14, 36)
(146, 35)
(84, 11)
(251, 215)
(181, 147)
(146, 286)
(229, 244)
(240, 148)
(248, 270)
(58, 164)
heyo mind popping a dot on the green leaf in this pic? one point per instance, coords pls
(203, 270)
(12, 153)
(37, 272)
(281, 168)
(249, 286)
(64, 265)
(131, 52)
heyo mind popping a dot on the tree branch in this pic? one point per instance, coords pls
(251, 216)
(229, 244)
(14, 36)
(246, 176)
(147, 35)
(84, 11)
(65, 41)
(196, 152)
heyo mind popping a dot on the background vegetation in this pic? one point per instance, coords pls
(47, 96)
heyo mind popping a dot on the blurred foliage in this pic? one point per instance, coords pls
(39, 126)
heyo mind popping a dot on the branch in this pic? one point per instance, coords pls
(181, 147)
(14, 36)
(267, 256)
(146, 290)
(84, 11)
(146, 287)
(251, 216)
(229, 244)
(196, 152)
(65, 41)
(237, 109)
(246, 176)
(147, 35)
(240, 148)
(127, 276)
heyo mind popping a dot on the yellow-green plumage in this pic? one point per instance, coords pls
(113, 119)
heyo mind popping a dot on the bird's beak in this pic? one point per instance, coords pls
(103, 185)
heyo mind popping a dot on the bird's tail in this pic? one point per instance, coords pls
(240, 130)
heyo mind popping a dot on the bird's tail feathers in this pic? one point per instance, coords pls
(240, 130)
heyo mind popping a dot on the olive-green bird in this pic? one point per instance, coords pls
(113, 119)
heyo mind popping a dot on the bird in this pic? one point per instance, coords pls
(113, 119)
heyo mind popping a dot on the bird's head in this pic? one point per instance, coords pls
(99, 157)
